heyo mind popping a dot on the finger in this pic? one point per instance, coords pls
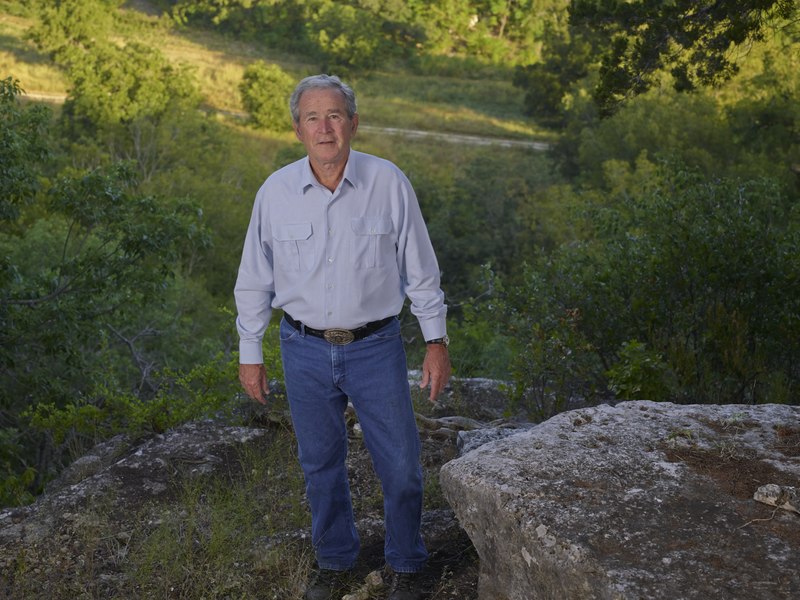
(426, 375)
(253, 390)
(436, 388)
(264, 383)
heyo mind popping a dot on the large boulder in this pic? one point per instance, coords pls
(638, 500)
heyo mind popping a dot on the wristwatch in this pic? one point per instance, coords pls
(444, 341)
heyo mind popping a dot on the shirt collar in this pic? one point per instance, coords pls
(350, 175)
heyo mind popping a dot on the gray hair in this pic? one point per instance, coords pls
(322, 82)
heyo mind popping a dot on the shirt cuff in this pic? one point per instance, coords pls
(250, 353)
(433, 328)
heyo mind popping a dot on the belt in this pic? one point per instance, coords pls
(340, 337)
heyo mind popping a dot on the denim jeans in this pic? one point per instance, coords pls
(320, 377)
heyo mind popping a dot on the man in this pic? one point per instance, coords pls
(337, 241)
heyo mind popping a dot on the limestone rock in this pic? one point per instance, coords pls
(785, 497)
(638, 500)
(469, 440)
(127, 476)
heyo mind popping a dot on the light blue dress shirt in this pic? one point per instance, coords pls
(336, 259)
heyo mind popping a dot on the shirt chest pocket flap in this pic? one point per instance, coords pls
(371, 242)
(294, 246)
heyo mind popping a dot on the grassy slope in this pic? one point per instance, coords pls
(489, 107)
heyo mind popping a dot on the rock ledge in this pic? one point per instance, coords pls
(639, 500)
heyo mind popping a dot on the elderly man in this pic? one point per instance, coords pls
(337, 241)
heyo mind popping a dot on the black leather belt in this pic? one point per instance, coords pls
(340, 337)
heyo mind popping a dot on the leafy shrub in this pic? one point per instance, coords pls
(701, 274)
(23, 146)
(72, 277)
(265, 91)
(639, 374)
(200, 392)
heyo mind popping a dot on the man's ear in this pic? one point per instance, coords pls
(354, 123)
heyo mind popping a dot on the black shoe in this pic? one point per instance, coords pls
(325, 584)
(405, 586)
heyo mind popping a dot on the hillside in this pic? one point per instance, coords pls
(489, 107)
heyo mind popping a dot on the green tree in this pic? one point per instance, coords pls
(549, 83)
(685, 288)
(265, 91)
(68, 28)
(690, 39)
(111, 84)
(119, 85)
(23, 146)
(85, 269)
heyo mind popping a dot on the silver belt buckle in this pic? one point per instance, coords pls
(340, 337)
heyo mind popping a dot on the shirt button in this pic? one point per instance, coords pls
(330, 259)
(330, 313)
(330, 286)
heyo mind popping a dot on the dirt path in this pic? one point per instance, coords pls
(454, 138)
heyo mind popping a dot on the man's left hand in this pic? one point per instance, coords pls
(435, 369)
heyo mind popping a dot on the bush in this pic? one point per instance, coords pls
(686, 290)
(265, 91)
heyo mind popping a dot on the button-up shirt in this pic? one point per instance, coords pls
(336, 259)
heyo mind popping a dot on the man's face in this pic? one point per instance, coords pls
(324, 127)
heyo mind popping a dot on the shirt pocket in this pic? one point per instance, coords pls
(372, 242)
(293, 246)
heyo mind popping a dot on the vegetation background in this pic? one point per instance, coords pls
(652, 252)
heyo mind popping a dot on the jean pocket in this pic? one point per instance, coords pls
(293, 247)
(371, 241)
(287, 332)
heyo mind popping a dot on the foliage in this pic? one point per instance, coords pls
(200, 392)
(690, 39)
(698, 272)
(111, 83)
(477, 219)
(23, 146)
(359, 34)
(639, 374)
(265, 91)
(479, 346)
(647, 128)
(548, 84)
(120, 85)
(99, 255)
(68, 28)
(553, 362)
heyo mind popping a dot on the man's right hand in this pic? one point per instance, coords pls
(254, 381)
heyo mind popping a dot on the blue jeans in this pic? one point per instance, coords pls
(372, 373)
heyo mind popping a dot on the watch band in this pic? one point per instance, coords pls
(443, 341)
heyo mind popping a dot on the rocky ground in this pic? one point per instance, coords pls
(75, 541)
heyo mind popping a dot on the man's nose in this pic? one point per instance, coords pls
(325, 125)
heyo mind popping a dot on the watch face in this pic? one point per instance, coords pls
(443, 341)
